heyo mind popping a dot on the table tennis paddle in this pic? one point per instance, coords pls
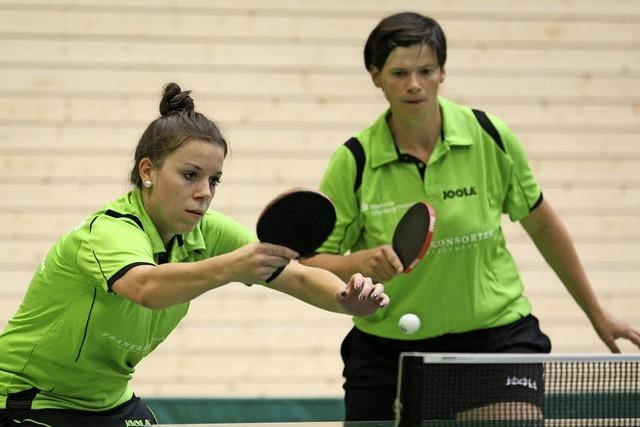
(413, 234)
(299, 219)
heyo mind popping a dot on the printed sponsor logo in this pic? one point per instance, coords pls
(524, 382)
(132, 423)
(460, 192)
(133, 347)
(461, 242)
(383, 208)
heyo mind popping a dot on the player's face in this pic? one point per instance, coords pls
(183, 187)
(410, 79)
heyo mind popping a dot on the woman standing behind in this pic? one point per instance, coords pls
(112, 289)
(467, 291)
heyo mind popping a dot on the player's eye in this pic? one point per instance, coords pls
(214, 181)
(190, 176)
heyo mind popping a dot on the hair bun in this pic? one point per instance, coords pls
(175, 100)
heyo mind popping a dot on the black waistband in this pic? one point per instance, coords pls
(22, 399)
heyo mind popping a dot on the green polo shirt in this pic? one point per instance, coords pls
(468, 280)
(73, 338)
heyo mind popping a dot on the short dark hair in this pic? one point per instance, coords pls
(177, 124)
(403, 29)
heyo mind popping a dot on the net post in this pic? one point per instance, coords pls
(408, 406)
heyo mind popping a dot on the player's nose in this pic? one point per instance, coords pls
(204, 190)
(414, 83)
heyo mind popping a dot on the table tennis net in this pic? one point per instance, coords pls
(440, 389)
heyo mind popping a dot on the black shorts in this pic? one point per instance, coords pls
(371, 367)
(131, 413)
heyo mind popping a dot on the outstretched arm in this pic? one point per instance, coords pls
(159, 287)
(321, 288)
(381, 263)
(554, 243)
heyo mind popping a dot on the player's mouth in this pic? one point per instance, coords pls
(195, 212)
(414, 101)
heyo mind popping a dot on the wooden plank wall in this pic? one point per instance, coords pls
(79, 80)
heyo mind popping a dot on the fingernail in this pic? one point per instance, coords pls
(343, 294)
(362, 298)
(374, 296)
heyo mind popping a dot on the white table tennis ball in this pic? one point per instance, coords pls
(409, 323)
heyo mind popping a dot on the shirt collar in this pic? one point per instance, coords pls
(182, 244)
(454, 124)
(385, 150)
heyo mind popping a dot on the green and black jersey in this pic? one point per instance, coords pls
(73, 342)
(468, 279)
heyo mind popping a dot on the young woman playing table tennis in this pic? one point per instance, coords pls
(114, 287)
(471, 168)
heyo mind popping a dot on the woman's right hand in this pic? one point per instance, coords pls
(381, 264)
(257, 261)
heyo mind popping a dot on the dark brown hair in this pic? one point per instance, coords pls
(403, 29)
(178, 123)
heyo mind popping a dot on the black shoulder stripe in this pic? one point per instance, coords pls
(115, 214)
(92, 221)
(358, 153)
(488, 127)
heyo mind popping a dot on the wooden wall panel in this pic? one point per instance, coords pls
(80, 79)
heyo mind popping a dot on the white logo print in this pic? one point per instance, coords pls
(383, 208)
(458, 243)
(526, 382)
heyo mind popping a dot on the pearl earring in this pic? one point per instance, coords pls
(148, 184)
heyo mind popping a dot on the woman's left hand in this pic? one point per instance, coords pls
(610, 328)
(361, 297)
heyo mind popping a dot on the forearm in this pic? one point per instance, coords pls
(314, 286)
(343, 266)
(159, 287)
(554, 243)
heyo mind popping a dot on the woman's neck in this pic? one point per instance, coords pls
(416, 135)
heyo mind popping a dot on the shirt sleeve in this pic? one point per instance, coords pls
(337, 183)
(223, 234)
(523, 191)
(113, 247)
